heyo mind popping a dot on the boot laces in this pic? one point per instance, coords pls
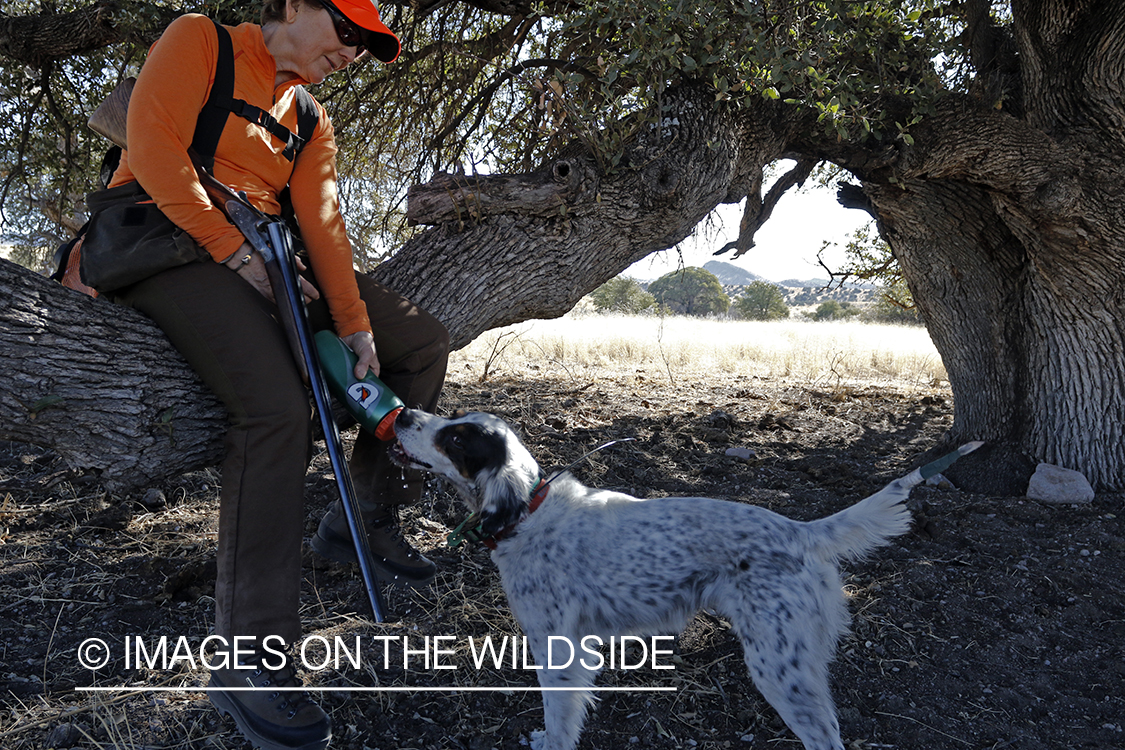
(391, 526)
(284, 676)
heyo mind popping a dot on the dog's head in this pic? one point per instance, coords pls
(479, 453)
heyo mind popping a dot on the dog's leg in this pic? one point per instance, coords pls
(787, 651)
(564, 711)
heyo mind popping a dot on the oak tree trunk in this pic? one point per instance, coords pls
(1009, 225)
(101, 385)
(1032, 341)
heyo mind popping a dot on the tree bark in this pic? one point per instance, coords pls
(100, 384)
(1026, 312)
(509, 248)
(1010, 232)
(42, 38)
(36, 40)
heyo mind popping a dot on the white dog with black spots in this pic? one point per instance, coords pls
(591, 562)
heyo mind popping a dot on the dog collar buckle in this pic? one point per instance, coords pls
(471, 530)
(538, 495)
(468, 530)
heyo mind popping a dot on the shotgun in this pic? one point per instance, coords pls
(270, 237)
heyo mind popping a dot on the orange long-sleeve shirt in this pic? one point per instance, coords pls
(171, 89)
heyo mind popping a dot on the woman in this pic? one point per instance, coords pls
(221, 317)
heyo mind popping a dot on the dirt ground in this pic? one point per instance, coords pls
(996, 623)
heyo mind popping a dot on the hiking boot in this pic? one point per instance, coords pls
(269, 718)
(395, 561)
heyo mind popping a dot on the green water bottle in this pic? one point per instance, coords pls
(369, 400)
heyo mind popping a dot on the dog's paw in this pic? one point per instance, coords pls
(539, 740)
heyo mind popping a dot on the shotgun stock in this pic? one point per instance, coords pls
(109, 118)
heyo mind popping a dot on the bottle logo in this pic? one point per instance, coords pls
(364, 394)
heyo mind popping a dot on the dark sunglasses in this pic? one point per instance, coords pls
(348, 32)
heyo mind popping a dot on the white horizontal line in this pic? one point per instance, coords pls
(100, 689)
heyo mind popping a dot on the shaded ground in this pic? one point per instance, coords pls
(996, 623)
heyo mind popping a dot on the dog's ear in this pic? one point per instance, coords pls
(505, 499)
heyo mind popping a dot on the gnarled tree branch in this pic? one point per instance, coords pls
(759, 210)
(101, 385)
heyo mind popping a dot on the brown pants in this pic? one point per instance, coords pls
(230, 335)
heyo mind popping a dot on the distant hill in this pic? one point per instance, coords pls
(730, 275)
(798, 284)
(798, 293)
(734, 278)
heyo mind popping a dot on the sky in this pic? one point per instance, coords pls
(786, 246)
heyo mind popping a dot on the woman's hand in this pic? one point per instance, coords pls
(363, 344)
(310, 291)
(254, 273)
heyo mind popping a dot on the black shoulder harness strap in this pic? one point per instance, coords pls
(221, 102)
(209, 127)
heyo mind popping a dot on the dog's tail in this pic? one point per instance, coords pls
(870, 523)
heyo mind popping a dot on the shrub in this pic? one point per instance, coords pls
(623, 295)
(690, 291)
(833, 310)
(762, 300)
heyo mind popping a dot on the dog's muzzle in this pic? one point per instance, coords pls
(399, 456)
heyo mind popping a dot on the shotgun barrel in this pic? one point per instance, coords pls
(270, 237)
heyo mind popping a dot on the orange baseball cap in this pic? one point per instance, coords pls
(377, 38)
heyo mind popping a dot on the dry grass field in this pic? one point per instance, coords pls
(995, 623)
(585, 344)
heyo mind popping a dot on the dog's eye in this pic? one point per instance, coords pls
(456, 441)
